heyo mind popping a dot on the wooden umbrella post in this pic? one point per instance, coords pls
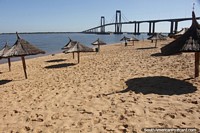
(197, 64)
(125, 43)
(78, 57)
(9, 64)
(156, 43)
(73, 54)
(24, 66)
(98, 47)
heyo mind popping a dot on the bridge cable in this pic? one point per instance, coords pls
(124, 18)
(113, 19)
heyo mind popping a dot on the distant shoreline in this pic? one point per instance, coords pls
(72, 33)
(40, 33)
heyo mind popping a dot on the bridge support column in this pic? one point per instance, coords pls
(176, 27)
(135, 30)
(153, 28)
(149, 28)
(118, 25)
(102, 28)
(172, 27)
(138, 28)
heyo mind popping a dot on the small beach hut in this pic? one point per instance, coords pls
(22, 48)
(188, 42)
(3, 51)
(155, 37)
(69, 44)
(133, 39)
(125, 39)
(98, 42)
(78, 47)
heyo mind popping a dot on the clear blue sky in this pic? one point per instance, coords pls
(79, 15)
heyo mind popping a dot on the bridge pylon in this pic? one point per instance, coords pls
(102, 28)
(118, 24)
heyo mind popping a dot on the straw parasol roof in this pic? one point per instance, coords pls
(78, 47)
(188, 42)
(22, 48)
(98, 42)
(3, 51)
(125, 39)
(133, 39)
(69, 44)
(157, 36)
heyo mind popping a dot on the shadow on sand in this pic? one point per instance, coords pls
(60, 65)
(157, 54)
(146, 48)
(2, 82)
(161, 54)
(158, 85)
(56, 60)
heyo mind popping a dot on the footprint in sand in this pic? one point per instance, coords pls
(193, 101)
(129, 112)
(160, 109)
(169, 116)
(55, 116)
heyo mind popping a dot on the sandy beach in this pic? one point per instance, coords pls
(121, 89)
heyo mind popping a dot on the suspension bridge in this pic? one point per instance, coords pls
(118, 24)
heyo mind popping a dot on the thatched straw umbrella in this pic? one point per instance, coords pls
(133, 39)
(155, 37)
(22, 48)
(188, 42)
(125, 39)
(78, 47)
(3, 51)
(69, 44)
(98, 43)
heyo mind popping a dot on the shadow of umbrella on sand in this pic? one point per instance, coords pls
(78, 47)
(159, 85)
(3, 51)
(98, 42)
(22, 48)
(188, 42)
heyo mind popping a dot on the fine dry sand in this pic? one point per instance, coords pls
(121, 89)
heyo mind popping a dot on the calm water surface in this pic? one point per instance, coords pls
(52, 43)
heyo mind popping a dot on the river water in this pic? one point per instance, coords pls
(53, 42)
